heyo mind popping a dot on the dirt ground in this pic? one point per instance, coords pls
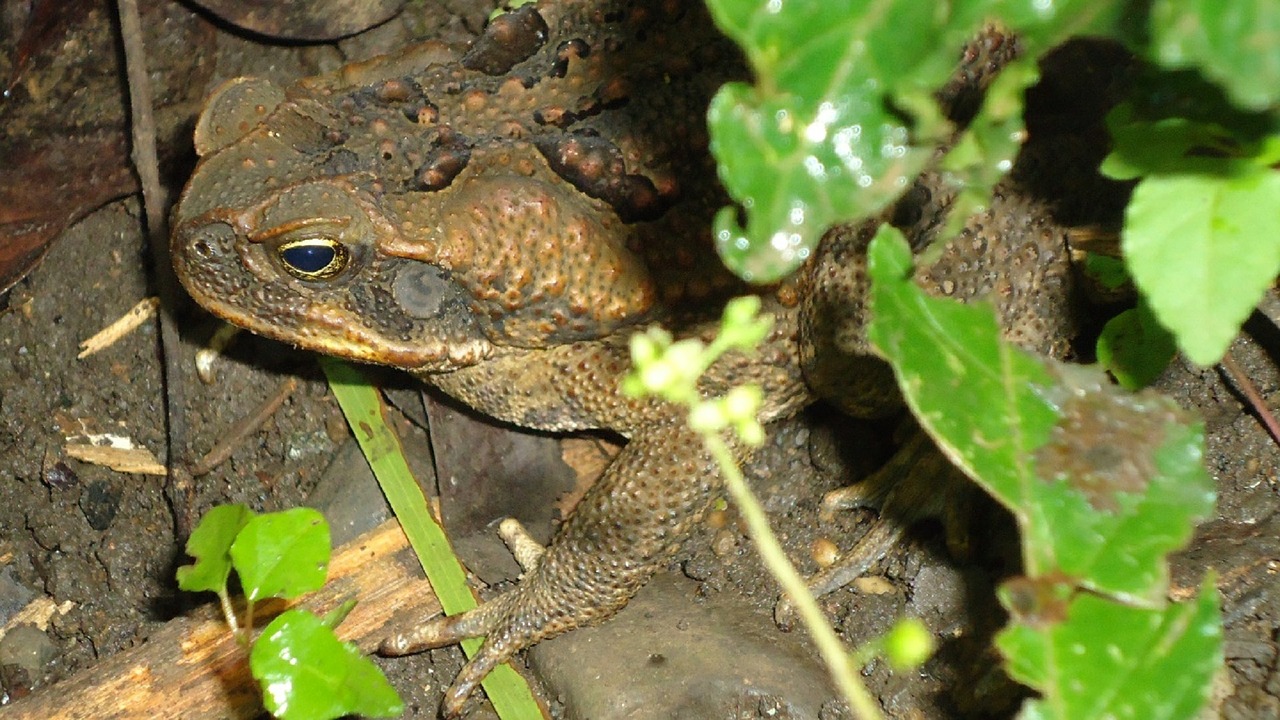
(102, 545)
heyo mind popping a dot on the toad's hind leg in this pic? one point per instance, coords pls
(918, 482)
(626, 526)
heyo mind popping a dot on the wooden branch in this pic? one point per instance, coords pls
(192, 668)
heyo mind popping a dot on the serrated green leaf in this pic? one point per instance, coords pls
(307, 673)
(282, 554)
(811, 48)
(815, 141)
(1102, 483)
(797, 170)
(825, 134)
(1203, 249)
(1135, 348)
(1103, 659)
(210, 545)
(1235, 42)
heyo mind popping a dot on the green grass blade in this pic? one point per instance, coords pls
(362, 406)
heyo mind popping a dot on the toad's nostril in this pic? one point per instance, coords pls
(210, 242)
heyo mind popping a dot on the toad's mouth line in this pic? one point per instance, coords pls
(336, 332)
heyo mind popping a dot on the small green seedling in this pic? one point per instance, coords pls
(304, 669)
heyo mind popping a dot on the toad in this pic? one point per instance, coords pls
(497, 220)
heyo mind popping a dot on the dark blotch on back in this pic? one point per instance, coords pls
(450, 152)
(341, 162)
(569, 49)
(595, 166)
(508, 39)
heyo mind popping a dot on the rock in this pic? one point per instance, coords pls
(349, 496)
(27, 647)
(670, 655)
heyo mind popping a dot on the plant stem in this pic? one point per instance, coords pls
(832, 650)
(229, 613)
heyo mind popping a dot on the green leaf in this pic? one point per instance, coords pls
(805, 183)
(1102, 483)
(1042, 25)
(362, 406)
(307, 673)
(836, 125)
(1108, 272)
(1095, 658)
(1235, 42)
(1135, 348)
(1174, 121)
(1203, 249)
(1165, 145)
(282, 554)
(210, 545)
(815, 141)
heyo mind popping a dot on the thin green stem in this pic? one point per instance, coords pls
(833, 652)
(248, 616)
(229, 613)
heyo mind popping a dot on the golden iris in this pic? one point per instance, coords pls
(315, 258)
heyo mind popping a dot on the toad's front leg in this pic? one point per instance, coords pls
(625, 527)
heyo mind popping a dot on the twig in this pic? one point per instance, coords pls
(1252, 395)
(122, 326)
(145, 160)
(155, 203)
(241, 429)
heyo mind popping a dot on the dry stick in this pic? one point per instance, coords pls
(154, 203)
(1251, 393)
(241, 429)
(192, 668)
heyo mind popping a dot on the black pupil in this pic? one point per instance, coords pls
(309, 258)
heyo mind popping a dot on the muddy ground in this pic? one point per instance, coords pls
(102, 545)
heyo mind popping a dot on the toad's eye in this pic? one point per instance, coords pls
(317, 258)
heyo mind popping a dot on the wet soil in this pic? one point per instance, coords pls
(103, 545)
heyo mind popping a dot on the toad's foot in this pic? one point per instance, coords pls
(918, 482)
(625, 527)
(508, 624)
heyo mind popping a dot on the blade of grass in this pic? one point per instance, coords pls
(364, 410)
